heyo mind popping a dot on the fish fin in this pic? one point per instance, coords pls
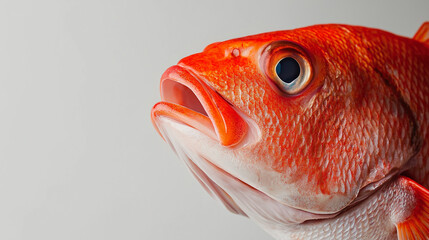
(422, 35)
(416, 225)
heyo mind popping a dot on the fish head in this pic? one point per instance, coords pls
(302, 117)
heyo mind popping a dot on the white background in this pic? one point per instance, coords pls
(79, 158)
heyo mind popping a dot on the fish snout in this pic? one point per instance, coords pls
(186, 98)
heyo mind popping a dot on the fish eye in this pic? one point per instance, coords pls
(292, 73)
(288, 68)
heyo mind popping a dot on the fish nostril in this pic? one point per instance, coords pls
(174, 92)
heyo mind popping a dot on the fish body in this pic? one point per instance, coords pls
(315, 133)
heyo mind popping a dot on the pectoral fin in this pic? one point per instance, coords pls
(416, 225)
(422, 35)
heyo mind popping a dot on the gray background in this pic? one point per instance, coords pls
(79, 158)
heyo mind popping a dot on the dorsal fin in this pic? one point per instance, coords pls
(422, 35)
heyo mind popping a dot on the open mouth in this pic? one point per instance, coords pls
(187, 99)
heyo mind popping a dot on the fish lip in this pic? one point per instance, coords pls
(188, 99)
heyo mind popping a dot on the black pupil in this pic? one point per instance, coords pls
(288, 69)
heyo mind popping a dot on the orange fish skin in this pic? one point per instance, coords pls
(361, 121)
(324, 138)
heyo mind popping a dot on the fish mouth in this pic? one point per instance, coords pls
(187, 99)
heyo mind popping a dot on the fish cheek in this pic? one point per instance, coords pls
(393, 142)
(369, 137)
(353, 140)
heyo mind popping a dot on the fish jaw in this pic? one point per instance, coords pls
(200, 152)
(187, 99)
